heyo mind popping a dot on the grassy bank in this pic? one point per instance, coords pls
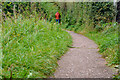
(106, 37)
(31, 49)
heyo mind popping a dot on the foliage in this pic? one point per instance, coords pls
(94, 19)
(30, 9)
(31, 49)
(88, 13)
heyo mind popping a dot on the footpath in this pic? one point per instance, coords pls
(82, 61)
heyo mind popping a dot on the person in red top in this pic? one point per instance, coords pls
(57, 16)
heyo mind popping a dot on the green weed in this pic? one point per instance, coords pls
(31, 50)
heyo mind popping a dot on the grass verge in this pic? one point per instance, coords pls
(107, 38)
(31, 49)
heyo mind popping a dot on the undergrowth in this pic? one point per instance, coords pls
(31, 49)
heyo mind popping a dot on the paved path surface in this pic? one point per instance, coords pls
(83, 61)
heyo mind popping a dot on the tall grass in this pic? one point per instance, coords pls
(31, 49)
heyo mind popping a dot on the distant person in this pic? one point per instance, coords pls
(57, 16)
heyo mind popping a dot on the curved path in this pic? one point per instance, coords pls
(82, 61)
